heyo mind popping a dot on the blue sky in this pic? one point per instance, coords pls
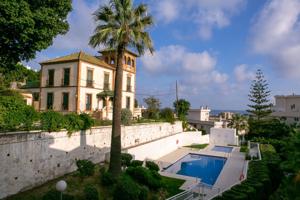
(211, 47)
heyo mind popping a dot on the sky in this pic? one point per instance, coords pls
(212, 48)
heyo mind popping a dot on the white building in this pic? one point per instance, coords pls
(287, 108)
(77, 82)
(200, 119)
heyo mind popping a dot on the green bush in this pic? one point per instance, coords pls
(126, 189)
(126, 159)
(55, 195)
(244, 149)
(52, 121)
(126, 117)
(88, 121)
(14, 113)
(85, 167)
(168, 115)
(107, 179)
(144, 176)
(90, 192)
(73, 122)
(144, 191)
(152, 166)
(135, 163)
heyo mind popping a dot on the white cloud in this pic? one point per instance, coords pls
(206, 15)
(196, 70)
(242, 73)
(275, 34)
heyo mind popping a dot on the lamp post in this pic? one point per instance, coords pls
(61, 186)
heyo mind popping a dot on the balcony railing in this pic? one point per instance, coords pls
(89, 83)
(106, 86)
(129, 88)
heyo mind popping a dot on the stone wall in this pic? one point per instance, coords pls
(30, 159)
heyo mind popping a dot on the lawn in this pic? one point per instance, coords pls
(197, 146)
(77, 183)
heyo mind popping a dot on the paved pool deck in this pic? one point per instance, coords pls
(229, 176)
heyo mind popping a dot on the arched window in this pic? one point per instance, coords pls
(112, 61)
(128, 61)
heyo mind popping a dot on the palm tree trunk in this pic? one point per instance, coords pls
(106, 102)
(115, 148)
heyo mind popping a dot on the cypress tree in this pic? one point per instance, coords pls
(259, 96)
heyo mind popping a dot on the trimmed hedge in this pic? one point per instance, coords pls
(126, 159)
(263, 178)
(85, 167)
(152, 166)
(136, 163)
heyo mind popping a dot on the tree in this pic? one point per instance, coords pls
(120, 25)
(182, 107)
(28, 26)
(259, 96)
(240, 123)
(153, 105)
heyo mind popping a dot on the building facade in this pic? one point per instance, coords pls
(83, 83)
(287, 108)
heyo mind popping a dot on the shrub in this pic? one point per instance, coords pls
(55, 195)
(144, 191)
(168, 115)
(14, 113)
(126, 159)
(126, 189)
(52, 121)
(244, 149)
(135, 163)
(88, 121)
(73, 122)
(85, 167)
(144, 176)
(107, 179)
(91, 192)
(126, 117)
(152, 166)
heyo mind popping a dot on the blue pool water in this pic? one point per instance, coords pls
(207, 168)
(222, 149)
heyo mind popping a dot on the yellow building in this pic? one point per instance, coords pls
(73, 83)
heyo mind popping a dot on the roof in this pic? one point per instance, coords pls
(112, 50)
(76, 57)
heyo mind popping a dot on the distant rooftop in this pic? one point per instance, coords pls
(287, 96)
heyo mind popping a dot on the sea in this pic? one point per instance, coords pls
(217, 112)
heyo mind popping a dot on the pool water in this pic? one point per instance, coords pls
(222, 149)
(207, 168)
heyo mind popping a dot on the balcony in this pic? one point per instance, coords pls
(106, 86)
(128, 88)
(90, 83)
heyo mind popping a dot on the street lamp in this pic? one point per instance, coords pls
(61, 186)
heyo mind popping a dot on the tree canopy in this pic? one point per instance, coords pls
(259, 96)
(153, 105)
(182, 107)
(28, 26)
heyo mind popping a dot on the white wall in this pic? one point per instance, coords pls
(30, 159)
(159, 148)
(223, 136)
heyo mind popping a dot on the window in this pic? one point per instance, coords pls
(128, 61)
(36, 96)
(51, 77)
(132, 63)
(106, 81)
(112, 61)
(88, 102)
(293, 106)
(50, 98)
(128, 87)
(66, 80)
(296, 119)
(65, 103)
(89, 78)
(128, 102)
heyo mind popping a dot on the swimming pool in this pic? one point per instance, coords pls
(222, 149)
(205, 167)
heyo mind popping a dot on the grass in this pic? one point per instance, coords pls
(172, 185)
(77, 183)
(197, 146)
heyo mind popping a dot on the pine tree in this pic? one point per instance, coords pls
(259, 96)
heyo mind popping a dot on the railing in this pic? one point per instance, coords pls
(89, 83)
(129, 88)
(186, 195)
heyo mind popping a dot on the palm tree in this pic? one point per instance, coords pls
(240, 123)
(121, 26)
